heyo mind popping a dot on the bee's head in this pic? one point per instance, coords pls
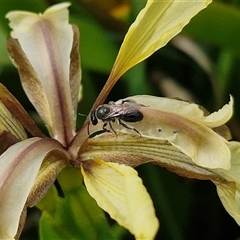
(100, 113)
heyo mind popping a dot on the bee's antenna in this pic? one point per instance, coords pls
(82, 115)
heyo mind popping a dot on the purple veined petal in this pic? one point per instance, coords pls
(19, 168)
(49, 67)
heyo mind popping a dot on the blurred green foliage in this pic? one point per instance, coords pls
(206, 74)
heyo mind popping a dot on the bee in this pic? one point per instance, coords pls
(125, 112)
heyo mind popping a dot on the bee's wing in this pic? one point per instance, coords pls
(184, 108)
(120, 109)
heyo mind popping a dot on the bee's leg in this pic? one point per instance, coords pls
(129, 127)
(111, 128)
(88, 130)
(105, 127)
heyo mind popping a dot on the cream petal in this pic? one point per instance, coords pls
(58, 11)
(133, 150)
(182, 124)
(204, 146)
(20, 160)
(221, 116)
(229, 191)
(186, 109)
(23, 21)
(154, 26)
(52, 36)
(120, 192)
(229, 195)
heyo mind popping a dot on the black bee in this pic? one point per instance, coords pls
(127, 111)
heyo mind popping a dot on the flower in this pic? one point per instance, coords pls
(174, 134)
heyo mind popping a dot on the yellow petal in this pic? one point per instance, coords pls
(229, 191)
(19, 112)
(10, 124)
(119, 191)
(155, 25)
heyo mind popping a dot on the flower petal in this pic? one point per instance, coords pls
(186, 109)
(30, 82)
(19, 112)
(120, 192)
(154, 26)
(204, 146)
(75, 71)
(20, 160)
(229, 191)
(51, 34)
(221, 116)
(6, 140)
(133, 150)
(10, 124)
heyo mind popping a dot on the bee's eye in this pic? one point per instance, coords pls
(102, 112)
(93, 118)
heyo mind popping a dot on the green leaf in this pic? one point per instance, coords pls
(76, 216)
(6, 6)
(4, 59)
(218, 24)
(224, 70)
(136, 79)
(96, 46)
